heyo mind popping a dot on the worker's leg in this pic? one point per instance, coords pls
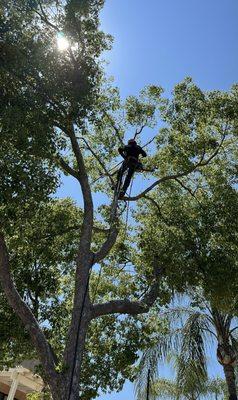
(129, 175)
(120, 173)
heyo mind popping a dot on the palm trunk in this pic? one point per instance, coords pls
(230, 381)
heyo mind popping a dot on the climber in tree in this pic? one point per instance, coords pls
(130, 153)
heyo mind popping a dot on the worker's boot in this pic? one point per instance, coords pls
(121, 195)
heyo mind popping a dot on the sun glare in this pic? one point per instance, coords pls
(62, 42)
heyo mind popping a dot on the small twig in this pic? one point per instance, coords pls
(187, 189)
(150, 141)
(98, 159)
(116, 129)
(44, 18)
(138, 132)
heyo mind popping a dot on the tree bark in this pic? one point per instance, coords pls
(81, 316)
(29, 321)
(230, 381)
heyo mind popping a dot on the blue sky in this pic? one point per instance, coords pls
(161, 42)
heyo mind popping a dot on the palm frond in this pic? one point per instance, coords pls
(217, 387)
(166, 389)
(191, 364)
(148, 363)
(167, 344)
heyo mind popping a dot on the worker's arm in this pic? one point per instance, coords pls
(142, 152)
(121, 151)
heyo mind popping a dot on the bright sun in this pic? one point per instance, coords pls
(62, 42)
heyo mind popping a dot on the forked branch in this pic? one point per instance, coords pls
(200, 164)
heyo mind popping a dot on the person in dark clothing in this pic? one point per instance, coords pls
(131, 163)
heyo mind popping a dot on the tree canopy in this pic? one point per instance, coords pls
(61, 115)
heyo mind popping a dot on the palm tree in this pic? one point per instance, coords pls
(190, 329)
(169, 390)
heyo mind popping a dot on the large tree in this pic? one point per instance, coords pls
(59, 114)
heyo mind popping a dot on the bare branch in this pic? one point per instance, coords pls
(150, 141)
(156, 183)
(113, 125)
(132, 307)
(138, 132)
(98, 159)
(126, 306)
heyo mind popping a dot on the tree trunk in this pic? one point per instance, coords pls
(68, 382)
(230, 381)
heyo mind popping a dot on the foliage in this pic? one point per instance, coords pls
(194, 234)
(43, 250)
(191, 329)
(214, 389)
(38, 396)
(45, 95)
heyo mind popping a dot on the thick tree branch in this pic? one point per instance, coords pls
(81, 304)
(126, 306)
(24, 313)
(132, 307)
(107, 245)
(66, 168)
(156, 183)
(200, 164)
(87, 226)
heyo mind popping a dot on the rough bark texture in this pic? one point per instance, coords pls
(230, 381)
(24, 313)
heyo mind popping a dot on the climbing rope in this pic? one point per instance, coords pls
(97, 285)
(78, 330)
(127, 211)
(148, 385)
(110, 170)
(125, 233)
